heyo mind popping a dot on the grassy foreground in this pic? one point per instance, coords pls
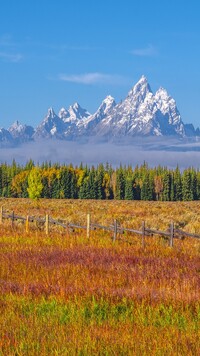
(64, 295)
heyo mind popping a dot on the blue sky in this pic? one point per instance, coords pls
(56, 52)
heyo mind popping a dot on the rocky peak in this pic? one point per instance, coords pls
(140, 90)
(63, 114)
(16, 126)
(51, 114)
(76, 112)
(167, 105)
(141, 113)
(107, 104)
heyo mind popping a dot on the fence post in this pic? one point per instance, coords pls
(12, 218)
(1, 215)
(115, 231)
(143, 234)
(88, 226)
(171, 240)
(27, 224)
(47, 224)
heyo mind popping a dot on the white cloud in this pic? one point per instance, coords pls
(92, 78)
(8, 57)
(149, 51)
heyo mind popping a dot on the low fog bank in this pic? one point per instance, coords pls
(154, 152)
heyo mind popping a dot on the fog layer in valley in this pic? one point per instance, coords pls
(154, 152)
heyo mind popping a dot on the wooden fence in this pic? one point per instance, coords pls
(116, 230)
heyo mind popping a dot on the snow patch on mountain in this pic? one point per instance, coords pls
(141, 113)
(51, 126)
(106, 106)
(77, 112)
(20, 132)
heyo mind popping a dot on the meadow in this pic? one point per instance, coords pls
(64, 294)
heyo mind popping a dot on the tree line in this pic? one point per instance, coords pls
(102, 182)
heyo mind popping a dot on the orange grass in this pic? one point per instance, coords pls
(65, 295)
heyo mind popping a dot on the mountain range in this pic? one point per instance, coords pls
(141, 113)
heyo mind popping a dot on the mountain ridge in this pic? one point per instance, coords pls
(141, 113)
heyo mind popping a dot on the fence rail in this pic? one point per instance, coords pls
(117, 230)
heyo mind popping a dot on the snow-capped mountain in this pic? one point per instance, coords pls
(21, 132)
(73, 114)
(73, 120)
(6, 138)
(131, 116)
(51, 126)
(92, 121)
(141, 113)
(77, 112)
(64, 114)
(167, 106)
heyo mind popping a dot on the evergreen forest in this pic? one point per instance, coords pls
(101, 182)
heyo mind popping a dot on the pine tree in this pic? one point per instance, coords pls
(5, 180)
(74, 187)
(129, 190)
(46, 191)
(65, 182)
(29, 165)
(193, 184)
(187, 185)
(166, 186)
(100, 182)
(84, 189)
(120, 184)
(198, 185)
(172, 193)
(146, 187)
(92, 184)
(177, 185)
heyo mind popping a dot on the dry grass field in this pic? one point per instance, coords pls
(185, 215)
(63, 294)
